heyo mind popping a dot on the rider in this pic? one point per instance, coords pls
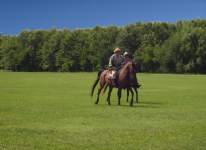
(126, 57)
(115, 62)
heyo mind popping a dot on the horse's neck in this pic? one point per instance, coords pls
(124, 70)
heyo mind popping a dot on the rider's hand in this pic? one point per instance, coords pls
(113, 68)
(122, 63)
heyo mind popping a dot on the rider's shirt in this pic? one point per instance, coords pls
(116, 61)
(127, 60)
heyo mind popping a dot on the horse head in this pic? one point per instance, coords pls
(131, 68)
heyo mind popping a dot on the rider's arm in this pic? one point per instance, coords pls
(110, 62)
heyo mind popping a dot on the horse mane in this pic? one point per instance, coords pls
(125, 65)
(133, 65)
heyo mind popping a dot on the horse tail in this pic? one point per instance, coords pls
(105, 88)
(96, 81)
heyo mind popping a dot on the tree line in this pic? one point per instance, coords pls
(156, 46)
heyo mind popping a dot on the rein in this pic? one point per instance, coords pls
(121, 74)
(131, 76)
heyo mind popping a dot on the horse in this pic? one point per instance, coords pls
(125, 80)
(135, 86)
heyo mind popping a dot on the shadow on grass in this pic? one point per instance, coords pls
(139, 104)
(136, 105)
(153, 103)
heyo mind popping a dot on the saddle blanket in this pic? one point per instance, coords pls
(109, 76)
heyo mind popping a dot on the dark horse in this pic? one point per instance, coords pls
(125, 80)
(135, 86)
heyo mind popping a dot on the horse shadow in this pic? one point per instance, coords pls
(145, 105)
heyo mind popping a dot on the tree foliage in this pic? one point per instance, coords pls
(156, 46)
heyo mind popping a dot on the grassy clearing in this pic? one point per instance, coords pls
(54, 111)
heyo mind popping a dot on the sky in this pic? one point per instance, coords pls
(18, 15)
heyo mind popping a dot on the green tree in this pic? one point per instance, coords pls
(157, 46)
(84, 59)
(190, 43)
(149, 61)
(50, 49)
(169, 55)
(23, 55)
(9, 53)
(29, 46)
(201, 51)
(129, 39)
(97, 45)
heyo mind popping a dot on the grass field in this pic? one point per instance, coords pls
(55, 111)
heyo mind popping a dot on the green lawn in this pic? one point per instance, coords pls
(55, 111)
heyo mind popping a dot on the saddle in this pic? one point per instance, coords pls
(117, 74)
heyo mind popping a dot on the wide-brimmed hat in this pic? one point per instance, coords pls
(117, 49)
(126, 53)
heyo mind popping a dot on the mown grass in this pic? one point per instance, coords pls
(55, 111)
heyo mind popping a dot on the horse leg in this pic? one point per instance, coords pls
(99, 91)
(135, 89)
(109, 94)
(131, 103)
(119, 96)
(105, 90)
(127, 94)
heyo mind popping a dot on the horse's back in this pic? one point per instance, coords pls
(105, 77)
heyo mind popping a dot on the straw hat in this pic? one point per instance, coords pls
(126, 53)
(117, 49)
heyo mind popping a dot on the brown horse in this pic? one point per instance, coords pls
(135, 86)
(125, 80)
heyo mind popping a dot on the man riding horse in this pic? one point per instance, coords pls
(125, 79)
(115, 63)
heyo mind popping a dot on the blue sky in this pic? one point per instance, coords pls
(17, 15)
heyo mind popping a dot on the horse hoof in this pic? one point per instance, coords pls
(96, 102)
